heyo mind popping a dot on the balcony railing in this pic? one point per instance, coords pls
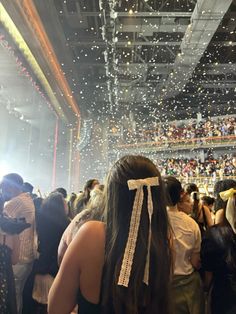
(177, 144)
(205, 183)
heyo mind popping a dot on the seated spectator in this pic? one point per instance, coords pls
(124, 266)
(218, 256)
(187, 291)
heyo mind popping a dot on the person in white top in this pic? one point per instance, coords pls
(187, 288)
(20, 205)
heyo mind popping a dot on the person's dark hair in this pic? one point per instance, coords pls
(220, 186)
(84, 199)
(27, 187)
(53, 210)
(207, 200)
(226, 240)
(173, 190)
(38, 203)
(87, 188)
(137, 298)
(62, 191)
(191, 187)
(14, 180)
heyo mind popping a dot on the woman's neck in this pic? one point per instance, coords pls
(172, 208)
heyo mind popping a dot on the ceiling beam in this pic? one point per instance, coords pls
(153, 14)
(128, 43)
(205, 21)
(134, 14)
(148, 28)
(125, 43)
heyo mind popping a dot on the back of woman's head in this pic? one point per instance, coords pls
(221, 186)
(119, 203)
(207, 200)
(89, 185)
(190, 188)
(53, 210)
(173, 190)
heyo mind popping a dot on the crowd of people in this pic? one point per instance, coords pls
(220, 167)
(140, 243)
(181, 131)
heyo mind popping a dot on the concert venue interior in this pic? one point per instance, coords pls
(84, 82)
(118, 156)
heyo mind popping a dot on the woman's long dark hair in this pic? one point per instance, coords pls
(220, 186)
(52, 213)
(137, 298)
(225, 238)
(87, 188)
(224, 234)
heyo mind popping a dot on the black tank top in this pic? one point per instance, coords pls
(86, 307)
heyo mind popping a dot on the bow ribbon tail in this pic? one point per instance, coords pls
(128, 257)
(150, 212)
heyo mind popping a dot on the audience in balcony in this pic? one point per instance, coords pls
(179, 131)
(194, 167)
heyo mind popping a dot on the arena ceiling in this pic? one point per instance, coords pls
(170, 59)
(175, 58)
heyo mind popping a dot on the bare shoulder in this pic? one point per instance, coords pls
(92, 228)
(90, 237)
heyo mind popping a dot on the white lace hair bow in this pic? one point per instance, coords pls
(230, 212)
(128, 257)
